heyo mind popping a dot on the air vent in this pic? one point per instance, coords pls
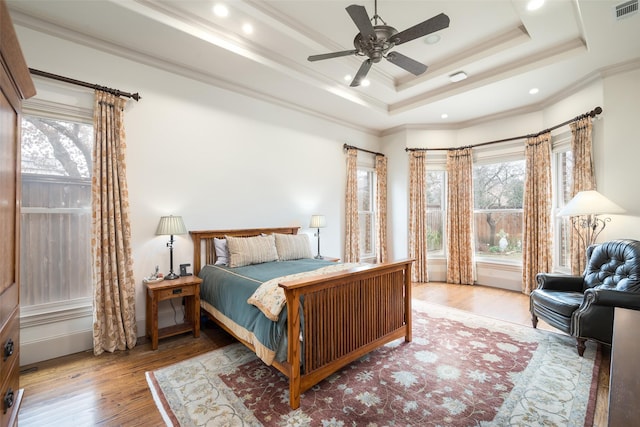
(625, 9)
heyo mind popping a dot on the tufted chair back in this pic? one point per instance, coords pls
(613, 265)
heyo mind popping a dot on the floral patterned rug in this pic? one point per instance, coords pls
(459, 370)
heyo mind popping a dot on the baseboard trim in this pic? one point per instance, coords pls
(52, 347)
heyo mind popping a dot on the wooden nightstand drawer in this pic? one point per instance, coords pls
(181, 291)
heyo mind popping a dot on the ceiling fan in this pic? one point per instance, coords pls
(375, 41)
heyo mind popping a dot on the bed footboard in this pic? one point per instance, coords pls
(344, 316)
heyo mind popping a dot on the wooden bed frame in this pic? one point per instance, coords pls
(346, 314)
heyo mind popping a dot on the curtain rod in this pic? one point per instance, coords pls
(591, 113)
(347, 146)
(115, 92)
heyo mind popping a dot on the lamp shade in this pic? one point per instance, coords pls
(171, 225)
(318, 221)
(589, 202)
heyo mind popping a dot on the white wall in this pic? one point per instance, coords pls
(219, 159)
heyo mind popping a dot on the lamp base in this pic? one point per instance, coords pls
(318, 256)
(171, 276)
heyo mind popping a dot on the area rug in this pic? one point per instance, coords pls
(460, 370)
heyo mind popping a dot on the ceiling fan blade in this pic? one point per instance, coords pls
(331, 55)
(411, 65)
(362, 73)
(361, 19)
(429, 26)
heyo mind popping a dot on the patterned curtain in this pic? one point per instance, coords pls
(381, 208)
(418, 215)
(583, 179)
(536, 242)
(460, 216)
(352, 229)
(114, 317)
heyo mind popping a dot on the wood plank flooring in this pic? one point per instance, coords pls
(111, 389)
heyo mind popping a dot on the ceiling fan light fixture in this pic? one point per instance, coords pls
(376, 41)
(432, 39)
(458, 77)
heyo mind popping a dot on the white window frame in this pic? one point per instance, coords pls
(80, 111)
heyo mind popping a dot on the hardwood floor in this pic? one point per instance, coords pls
(111, 389)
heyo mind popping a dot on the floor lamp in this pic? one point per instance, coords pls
(584, 209)
(171, 225)
(318, 222)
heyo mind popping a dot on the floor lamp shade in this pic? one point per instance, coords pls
(318, 222)
(589, 202)
(171, 225)
(584, 209)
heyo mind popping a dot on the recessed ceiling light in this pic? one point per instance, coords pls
(432, 39)
(444, 115)
(365, 82)
(247, 28)
(534, 4)
(459, 76)
(533, 91)
(220, 10)
(348, 78)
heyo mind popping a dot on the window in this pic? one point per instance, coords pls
(563, 167)
(435, 212)
(56, 211)
(498, 199)
(366, 212)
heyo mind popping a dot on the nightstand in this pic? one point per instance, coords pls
(187, 287)
(330, 258)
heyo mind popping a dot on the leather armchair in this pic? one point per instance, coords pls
(583, 306)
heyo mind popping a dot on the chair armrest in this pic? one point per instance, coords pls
(559, 282)
(611, 298)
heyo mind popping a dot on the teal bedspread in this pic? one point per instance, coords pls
(227, 289)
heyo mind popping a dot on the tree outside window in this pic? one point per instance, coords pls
(498, 200)
(435, 211)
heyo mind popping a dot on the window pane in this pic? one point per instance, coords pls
(435, 211)
(56, 210)
(498, 199)
(365, 190)
(562, 225)
(366, 212)
(367, 244)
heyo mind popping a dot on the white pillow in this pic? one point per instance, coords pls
(222, 251)
(251, 250)
(293, 246)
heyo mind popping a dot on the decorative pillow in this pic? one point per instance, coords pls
(222, 251)
(292, 246)
(251, 250)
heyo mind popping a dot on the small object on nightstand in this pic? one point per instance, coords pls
(155, 277)
(183, 270)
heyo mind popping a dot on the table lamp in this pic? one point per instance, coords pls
(171, 225)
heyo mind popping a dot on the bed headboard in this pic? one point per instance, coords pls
(203, 242)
